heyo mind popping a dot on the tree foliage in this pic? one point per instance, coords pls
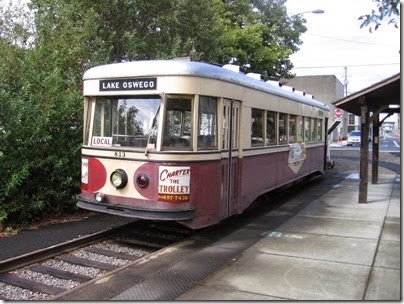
(45, 49)
(263, 39)
(386, 9)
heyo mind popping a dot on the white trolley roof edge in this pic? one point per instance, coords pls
(145, 68)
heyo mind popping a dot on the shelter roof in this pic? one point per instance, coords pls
(378, 97)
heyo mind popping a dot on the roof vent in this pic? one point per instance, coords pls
(255, 76)
(288, 88)
(232, 67)
(274, 82)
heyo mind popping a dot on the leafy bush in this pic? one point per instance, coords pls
(40, 145)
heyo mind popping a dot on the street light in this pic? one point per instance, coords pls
(317, 11)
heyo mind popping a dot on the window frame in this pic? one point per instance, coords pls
(261, 136)
(215, 124)
(285, 132)
(292, 131)
(275, 129)
(178, 143)
(307, 129)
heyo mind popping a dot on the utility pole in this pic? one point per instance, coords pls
(346, 80)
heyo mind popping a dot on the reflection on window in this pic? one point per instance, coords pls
(271, 128)
(256, 127)
(292, 129)
(128, 121)
(283, 128)
(207, 121)
(178, 124)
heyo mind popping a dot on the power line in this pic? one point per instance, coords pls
(351, 41)
(341, 66)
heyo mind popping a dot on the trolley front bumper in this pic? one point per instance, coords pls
(168, 215)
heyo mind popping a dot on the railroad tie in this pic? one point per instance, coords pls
(86, 262)
(61, 274)
(30, 285)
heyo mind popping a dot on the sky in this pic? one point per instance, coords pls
(334, 40)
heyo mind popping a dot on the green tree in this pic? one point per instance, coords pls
(261, 37)
(200, 29)
(386, 9)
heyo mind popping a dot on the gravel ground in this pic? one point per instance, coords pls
(343, 165)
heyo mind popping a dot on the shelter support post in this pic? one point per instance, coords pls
(363, 174)
(375, 149)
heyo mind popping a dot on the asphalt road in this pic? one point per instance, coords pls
(388, 143)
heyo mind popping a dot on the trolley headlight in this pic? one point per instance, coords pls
(142, 180)
(119, 179)
(99, 197)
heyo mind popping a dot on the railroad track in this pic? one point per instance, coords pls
(47, 273)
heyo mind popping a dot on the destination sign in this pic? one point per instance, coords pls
(128, 84)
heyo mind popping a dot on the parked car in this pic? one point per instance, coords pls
(354, 138)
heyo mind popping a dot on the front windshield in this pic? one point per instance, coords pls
(355, 133)
(125, 121)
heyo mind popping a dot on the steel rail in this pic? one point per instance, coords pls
(45, 253)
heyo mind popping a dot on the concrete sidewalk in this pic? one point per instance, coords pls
(332, 249)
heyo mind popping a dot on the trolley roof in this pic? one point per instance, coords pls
(157, 68)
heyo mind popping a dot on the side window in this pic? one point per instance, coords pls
(207, 123)
(319, 129)
(300, 134)
(271, 128)
(178, 124)
(307, 121)
(283, 128)
(292, 129)
(313, 128)
(257, 136)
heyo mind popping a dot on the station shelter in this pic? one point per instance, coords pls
(380, 98)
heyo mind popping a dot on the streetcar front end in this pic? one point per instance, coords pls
(139, 158)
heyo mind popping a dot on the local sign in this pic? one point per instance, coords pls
(338, 113)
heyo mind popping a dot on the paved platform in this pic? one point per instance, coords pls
(320, 245)
(333, 249)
